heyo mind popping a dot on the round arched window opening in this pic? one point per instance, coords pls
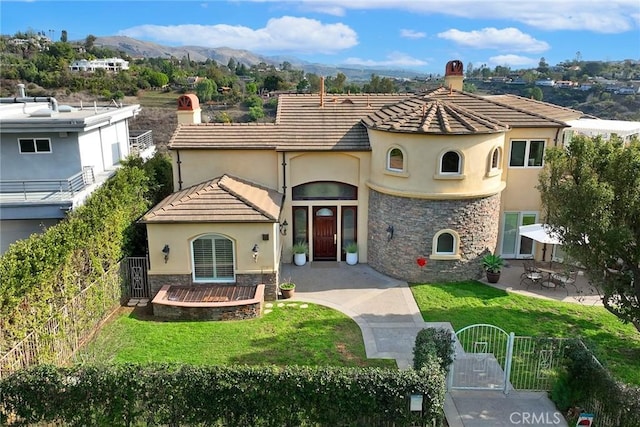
(324, 212)
(450, 162)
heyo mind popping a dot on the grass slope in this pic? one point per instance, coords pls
(289, 335)
(616, 345)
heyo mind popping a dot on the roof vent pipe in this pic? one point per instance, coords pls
(322, 91)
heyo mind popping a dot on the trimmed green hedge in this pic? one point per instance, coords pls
(433, 344)
(585, 380)
(160, 394)
(40, 274)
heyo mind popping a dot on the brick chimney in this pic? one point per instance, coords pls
(189, 111)
(454, 75)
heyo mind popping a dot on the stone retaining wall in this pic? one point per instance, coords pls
(416, 221)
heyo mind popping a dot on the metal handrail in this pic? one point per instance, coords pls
(71, 185)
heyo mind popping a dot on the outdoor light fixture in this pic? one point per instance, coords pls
(255, 251)
(283, 227)
(389, 233)
(166, 251)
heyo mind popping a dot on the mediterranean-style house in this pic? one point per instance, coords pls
(53, 156)
(424, 184)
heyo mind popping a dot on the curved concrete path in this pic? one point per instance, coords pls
(389, 318)
(383, 307)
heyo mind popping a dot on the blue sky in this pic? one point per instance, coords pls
(421, 35)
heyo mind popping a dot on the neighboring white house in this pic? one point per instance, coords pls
(108, 64)
(53, 156)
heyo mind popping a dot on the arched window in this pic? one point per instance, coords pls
(395, 160)
(451, 162)
(213, 259)
(495, 158)
(446, 245)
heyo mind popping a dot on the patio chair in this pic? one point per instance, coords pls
(531, 274)
(561, 280)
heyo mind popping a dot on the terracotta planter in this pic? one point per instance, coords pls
(287, 293)
(493, 277)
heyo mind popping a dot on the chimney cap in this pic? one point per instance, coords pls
(188, 102)
(454, 68)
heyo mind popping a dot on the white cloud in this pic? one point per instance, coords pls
(412, 34)
(394, 59)
(512, 61)
(612, 16)
(492, 38)
(287, 33)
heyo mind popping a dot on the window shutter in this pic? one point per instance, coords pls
(224, 259)
(203, 258)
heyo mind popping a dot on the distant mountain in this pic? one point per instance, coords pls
(142, 49)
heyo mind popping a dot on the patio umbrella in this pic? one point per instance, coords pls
(541, 233)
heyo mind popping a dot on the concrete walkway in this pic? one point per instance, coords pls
(389, 318)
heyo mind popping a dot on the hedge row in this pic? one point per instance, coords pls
(433, 344)
(585, 381)
(40, 274)
(160, 394)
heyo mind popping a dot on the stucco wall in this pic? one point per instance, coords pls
(259, 166)
(415, 223)
(62, 162)
(422, 155)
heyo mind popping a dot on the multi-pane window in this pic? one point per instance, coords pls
(213, 259)
(395, 160)
(450, 162)
(526, 153)
(34, 145)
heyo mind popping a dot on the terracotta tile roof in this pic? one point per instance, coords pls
(303, 124)
(544, 108)
(520, 114)
(223, 199)
(423, 115)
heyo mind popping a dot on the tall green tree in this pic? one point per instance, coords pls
(591, 193)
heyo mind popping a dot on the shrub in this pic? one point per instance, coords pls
(433, 345)
(161, 394)
(584, 380)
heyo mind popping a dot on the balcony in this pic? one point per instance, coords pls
(46, 190)
(141, 143)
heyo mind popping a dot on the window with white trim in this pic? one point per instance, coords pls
(395, 160)
(446, 245)
(451, 162)
(526, 153)
(213, 259)
(34, 145)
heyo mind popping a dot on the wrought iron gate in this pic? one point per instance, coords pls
(137, 284)
(489, 358)
(481, 359)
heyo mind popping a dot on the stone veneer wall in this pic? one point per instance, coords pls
(270, 280)
(416, 221)
(236, 312)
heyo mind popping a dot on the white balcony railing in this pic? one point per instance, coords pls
(47, 189)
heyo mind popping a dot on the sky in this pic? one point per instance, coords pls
(419, 35)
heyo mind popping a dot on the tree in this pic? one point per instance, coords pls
(63, 36)
(534, 93)
(89, 41)
(205, 90)
(591, 194)
(543, 67)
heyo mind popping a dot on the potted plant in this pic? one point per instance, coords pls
(300, 250)
(352, 253)
(287, 289)
(493, 266)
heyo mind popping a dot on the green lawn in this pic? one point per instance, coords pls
(617, 345)
(289, 335)
(158, 99)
